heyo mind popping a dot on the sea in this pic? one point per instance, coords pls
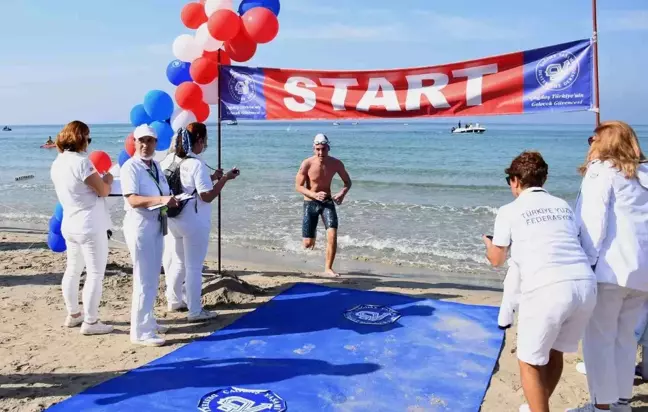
(421, 196)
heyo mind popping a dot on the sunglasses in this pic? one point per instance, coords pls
(89, 140)
(590, 140)
(508, 180)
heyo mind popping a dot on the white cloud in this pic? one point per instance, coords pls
(626, 20)
(468, 28)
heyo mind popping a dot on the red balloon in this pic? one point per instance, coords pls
(188, 95)
(129, 145)
(224, 24)
(204, 70)
(193, 15)
(261, 24)
(213, 55)
(101, 161)
(201, 111)
(241, 48)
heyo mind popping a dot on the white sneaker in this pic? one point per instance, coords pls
(152, 341)
(586, 408)
(72, 322)
(176, 307)
(202, 316)
(616, 407)
(96, 328)
(580, 368)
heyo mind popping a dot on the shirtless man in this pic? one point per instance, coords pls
(314, 182)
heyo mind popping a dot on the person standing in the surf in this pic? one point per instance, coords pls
(314, 182)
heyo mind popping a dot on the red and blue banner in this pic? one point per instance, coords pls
(550, 79)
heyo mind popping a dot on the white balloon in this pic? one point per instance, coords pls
(210, 92)
(205, 40)
(181, 118)
(186, 48)
(159, 155)
(212, 5)
(114, 170)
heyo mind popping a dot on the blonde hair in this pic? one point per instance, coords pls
(617, 143)
(73, 137)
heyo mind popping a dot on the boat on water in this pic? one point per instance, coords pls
(469, 128)
(232, 123)
(6, 129)
(354, 123)
(48, 146)
(336, 124)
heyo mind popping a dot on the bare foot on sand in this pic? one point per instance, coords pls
(331, 274)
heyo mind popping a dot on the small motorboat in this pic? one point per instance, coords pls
(6, 129)
(336, 124)
(232, 123)
(470, 128)
(48, 146)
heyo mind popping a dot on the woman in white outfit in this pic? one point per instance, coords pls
(147, 196)
(79, 187)
(188, 239)
(613, 213)
(558, 288)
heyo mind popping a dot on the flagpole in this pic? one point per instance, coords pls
(219, 162)
(596, 68)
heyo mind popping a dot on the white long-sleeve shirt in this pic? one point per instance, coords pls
(612, 214)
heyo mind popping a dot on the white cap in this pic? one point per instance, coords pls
(143, 131)
(321, 138)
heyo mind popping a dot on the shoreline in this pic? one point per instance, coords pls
(45, 363)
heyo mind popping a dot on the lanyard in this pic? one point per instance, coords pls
(156, 179)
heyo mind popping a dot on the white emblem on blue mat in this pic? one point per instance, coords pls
(241, 87)
(372, 315)
(241, 400)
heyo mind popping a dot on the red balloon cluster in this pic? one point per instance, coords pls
(100, 160)
(240, 35)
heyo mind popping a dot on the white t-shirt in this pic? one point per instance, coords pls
(194, 176)
(84, 212)
(136, 179)
(543, 235)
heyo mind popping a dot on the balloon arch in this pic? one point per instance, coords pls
(222, 35)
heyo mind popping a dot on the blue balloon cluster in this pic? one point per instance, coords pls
(123, 157)
(156, 112)
(273, 5)
(55, 240)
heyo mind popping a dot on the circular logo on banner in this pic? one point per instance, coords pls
(557, 71)
(242, 400)
(241, 87)
(372, 315)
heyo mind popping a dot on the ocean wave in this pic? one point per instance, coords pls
(429, 185)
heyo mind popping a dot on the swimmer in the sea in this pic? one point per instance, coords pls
(314, 182)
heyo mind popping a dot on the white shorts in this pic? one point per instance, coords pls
(554, 317)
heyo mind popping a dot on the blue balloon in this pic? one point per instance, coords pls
(273, 5)
(164, 133)
(58, 212)
(138, 116)
(123, 157)
(178, 72)
(56, 243)
(55, 225)
(158, 105)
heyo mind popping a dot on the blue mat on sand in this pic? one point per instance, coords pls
(319, 349)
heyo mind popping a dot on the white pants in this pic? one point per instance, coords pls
(145, 242)
(89, 251)
(187, 244)
(554, 317)
(610, 344)
(510, 295)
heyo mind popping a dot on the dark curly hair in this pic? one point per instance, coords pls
(529, 168)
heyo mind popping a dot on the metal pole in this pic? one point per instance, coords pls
(219, 161)
(596, 68)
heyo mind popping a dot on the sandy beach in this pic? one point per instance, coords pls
(44, 363)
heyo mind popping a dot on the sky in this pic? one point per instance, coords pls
(95, 60)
